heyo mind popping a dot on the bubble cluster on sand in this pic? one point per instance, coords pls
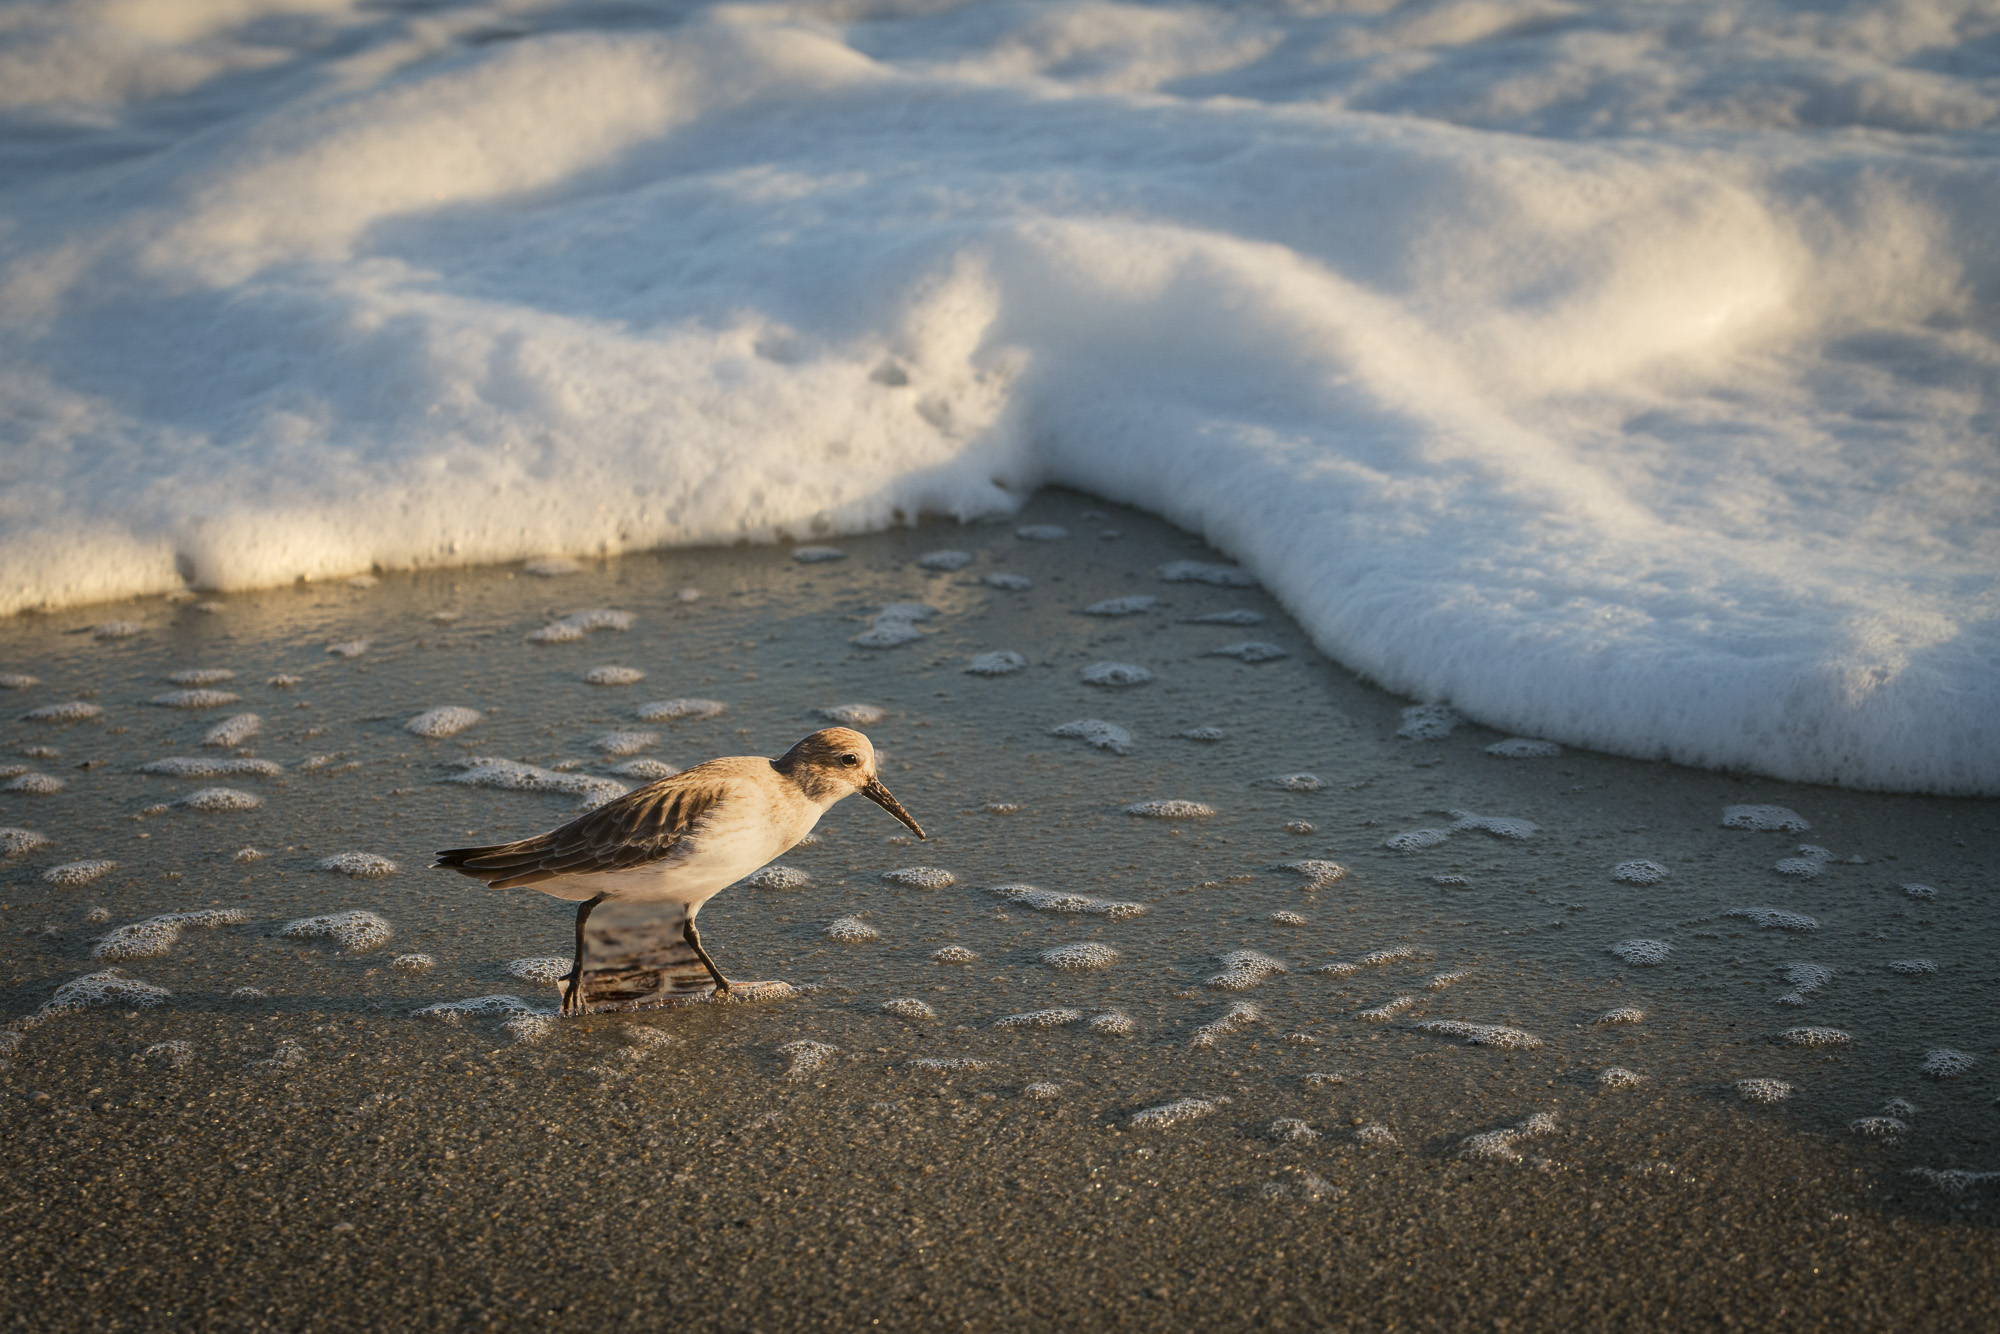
(1814, 1036)
(1041, 532)
(201, 676)
(1416, 840)
(1501, 1144)
(1000, 662)
(547, 968)
(1482, 1035)
(1946, 1063)
(116, 630)
(96, 991)
(1241, 616)
(1375, 1134)
(1318, 1079)
(1919, 891)
(1387, 1010)
(1763, 1090)
(1911, 967)
(446, 720)
(1126, 606)
(621, 743)
(852, 715)
(194, 699)
(233, 731)
(1170, 1114)
(1042, 1092)
(779, 877)
(1049, 900)
(1770, 818)
(953, 954)
(646, 771)
(551, 567)
(157, 935)
(1805, 978)
(413, 963)
(1639, 873)
(1439, 981)
(18, 681)
(1082, 955)
(1114, 674)
(950, 1065)
(1316, 872)
(220, 799)
(1039, 1019)
(944, 561)
(286, 1054)
(1249, 650)
(98, 915)
(907, 1007)
(360, 865)
(1097, 733)
(1524, 748)
(1428, 722)
(1450, 881)
(1299, 782)
(1954, 1180)
(614, 676)
(1205, 734)
(1202, 572)
(579, 624)
(1291, 1130)
(1008, 583)
(355, 930)
(849, 930)
(1642, 953)
(474, 1007)
(247, 994)
(512, 776)
(36, 785)
(349, 648)
(1617, 1077)
(1810, 866)
(283, 682)
(921, 877)
(175, 1054)
(1286, 917)
(894, 624)
(1775, 919)
(1500, 826)
(72, 875)
(1239, 1016)
(1243, 969)
(69, 711)
(247, 855)
(191, 766)
(817, 555)
(1113, 1023)
(529, 1025)
(1170, 809)
(678, 710)
(1878, 1127)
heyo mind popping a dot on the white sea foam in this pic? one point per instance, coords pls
(1182, 1110)
(944, 561)
(1482, 1035)
(356, 930)
(1387, 1010)
(1041, 1091)
(1205, 734)
(849, 931)
(1249, 650)
(1243, 969)
(1919, 891)
(413, 963)
(1171, 808)
(909, 1007)
(817, 555)
(1007, 583)
(951, 1065)
(1778, 818)
(1049, 900)
(72, 875)
(853, 715)
(1206, 572)
(676, 710)
(893, 625)
(1113, 1023)
(1500, 826)
(1097, 733)
(778, 877)
(621, 743)
(921, 877)
(1643, 953)
(581, 624)
(157, 935)
(233, 731)
(1416, 840)
(349, 648)
(1617, 1077)
(614, 676)
(359, 865)
(1114, 674)
(1502, 1144)
(1126, 606)
(548, 968)
(1000, 662)
(97, 990)
(201, 676)
(1814, 1036)
(1639, 873)
(1775, 919)
(1763, 1090)
(1083, 955)
(1946, 1063)
(18, 681)
(220, 799)
(194, 699)
(649, 771)
(1239, 616)
(35, 785)
(185, 766)
(1428, 722)
(458, 1011)
(1039, 1019)
(443, 721)
(953, 954)
(1286, 917)
(513, 776)
(69, 711)
(1912, 967)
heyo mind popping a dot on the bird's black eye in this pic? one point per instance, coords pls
(850, 760)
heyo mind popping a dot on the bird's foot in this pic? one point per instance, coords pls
(722, 986)
(572, 1003)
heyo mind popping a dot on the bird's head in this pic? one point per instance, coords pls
(836, 761)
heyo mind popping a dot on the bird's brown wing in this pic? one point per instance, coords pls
(637, 828)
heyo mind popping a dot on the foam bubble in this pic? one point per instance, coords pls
(1394, 954)
(850, 930)
(950, 1065)
(472, 1007)
(853, 715)
(443, 721)
(1205, 734)
(1450, 881)
(1113, 1023)
(1642, 953)
(1618, 1077)
(909, 1007)
(1946, 1063)
(1919, 891)
(1387, 1010)
(817, 555)
(1000, 662)
(894, 624)
(1900, 1107)
(620, 743)
(1482, 1035)
(1801, 868)
(247, 855)
(1776, 818)
(1039, 1019)
(1501, 1144)
(1170, 1114)
(1428, 722)
(1239, 1016)
(1097, 733)
(1243, 969)
(247, 994)
(944, 561)
(1319, 1079)
(1639, 873)
(233, 731)
(1775, 919)
(1439, 981)
(283, 682)
(97, 991)
(355, 930)
(1082, 955)
(1763, 1090)
(953, 954)
(1375, 1134)
(552, 567)
(513, 776)
(1009, 583)
(529, 1026)
(98, 915)
(1127, 606)
(1042, 1092)
(69, 711)
(677, 710)
(1286, 917)
(116, 630)
(1299, 782)
(1317, 873)
(1202, 572)
(360, 865)
(349, 648)
(201, 676)
(186, 766)
(1291, 1130)
(614, 676)
(1912, 967)
(1500, 826)
(1524, 748)
(36, 785)
(1047, 900)
(1878, 1127)
(1115, 675)
(18, 681)
(1954, 1180)
(72, 875)
(1814, 1036)
(220, 799)
(157, 935)
(1249, 650)
(1170, 809)
(579, 624)
(779, 877)
(921, 877)
(175, 1053)
(1041, 532)
(1807, 977)
(1237, 617)
(548, 968)
(414, 963)
(650, 771)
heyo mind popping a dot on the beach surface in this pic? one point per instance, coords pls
(1280, 1002)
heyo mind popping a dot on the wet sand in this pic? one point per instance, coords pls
(321, 1156)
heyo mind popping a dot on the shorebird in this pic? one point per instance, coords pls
(685, 838)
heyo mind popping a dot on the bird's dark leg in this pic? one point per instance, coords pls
(573, 998)
(694, 941)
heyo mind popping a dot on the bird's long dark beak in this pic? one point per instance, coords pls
(878, 794)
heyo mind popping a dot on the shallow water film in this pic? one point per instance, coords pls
(1227, 990)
